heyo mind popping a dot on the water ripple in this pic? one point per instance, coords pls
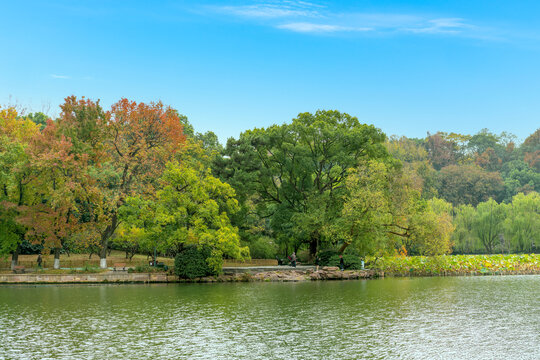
(418, 318)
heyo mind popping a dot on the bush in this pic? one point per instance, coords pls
(352, 262)
(91, 269)
(325, 255)
(191, 263)
(86, 269)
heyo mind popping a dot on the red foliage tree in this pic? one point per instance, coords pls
(51, 216)
(126, 150)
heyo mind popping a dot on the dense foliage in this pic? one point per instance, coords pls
(351, 262)
(191, 263)
(137, 177)
(93, 176)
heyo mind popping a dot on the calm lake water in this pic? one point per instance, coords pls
(399, 318)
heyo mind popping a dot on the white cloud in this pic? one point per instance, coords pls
(284, 9)
(305, 27)
(55, 76)
(307, 17)
(442, 26)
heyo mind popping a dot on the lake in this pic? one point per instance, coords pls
(491, 317)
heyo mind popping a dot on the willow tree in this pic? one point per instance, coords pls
(522, 224)
(488, 223)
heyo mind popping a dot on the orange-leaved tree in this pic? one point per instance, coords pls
(126, 149)
(52, 217)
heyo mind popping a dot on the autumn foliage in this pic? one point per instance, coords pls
(137, 177)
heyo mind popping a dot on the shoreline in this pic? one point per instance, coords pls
(286, 275)
(124, 277)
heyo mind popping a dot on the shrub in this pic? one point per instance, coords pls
(191, 263)
(325, 255)
(91, 269)
(351, 262)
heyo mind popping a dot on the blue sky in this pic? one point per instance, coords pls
(407, 67)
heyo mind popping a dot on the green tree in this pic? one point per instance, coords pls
(415, 160)
(294, 173)
(519, 177)
(483, 141)
(488, 223)
(205, 147)
(367, 215)
(191, 208)
(16, 134)
(38, 118)
(465, 242)
(384, 210)
(432, 228)
(522, 226)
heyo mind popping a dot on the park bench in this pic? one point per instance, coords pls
(119, 266)
(19, 269)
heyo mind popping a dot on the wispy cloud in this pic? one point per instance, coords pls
(442, 26)
(309, 17)
(67, 77)
(284, 9)
(55, 76)
(305, 27)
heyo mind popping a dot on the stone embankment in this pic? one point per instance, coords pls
(325, 273)
(108, 277)
(285, 275)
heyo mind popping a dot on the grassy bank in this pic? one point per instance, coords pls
(459, 265)
(83, 261)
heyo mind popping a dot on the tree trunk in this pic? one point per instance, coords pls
(15, 257)
(103, 257)
(56, 258)
(343, 247)
(313, 247)
(105, 236)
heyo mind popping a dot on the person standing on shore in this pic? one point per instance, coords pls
(39, 261)
(341, 263)
(293, 259)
